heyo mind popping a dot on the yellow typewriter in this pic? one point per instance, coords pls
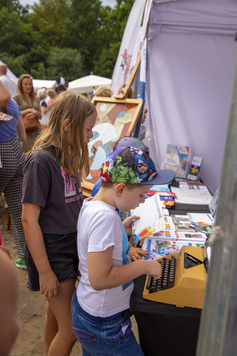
(183, 279)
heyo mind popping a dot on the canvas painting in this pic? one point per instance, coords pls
(115, 119)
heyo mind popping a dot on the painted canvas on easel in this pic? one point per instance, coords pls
(115, 119)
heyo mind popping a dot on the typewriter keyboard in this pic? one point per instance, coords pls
(167, 276)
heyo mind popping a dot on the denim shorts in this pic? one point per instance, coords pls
(104, 336)
(62, 254)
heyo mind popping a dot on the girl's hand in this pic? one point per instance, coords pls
(30, 116)
(127, 223)
(154, 269)
(137, 253)
(49, 284)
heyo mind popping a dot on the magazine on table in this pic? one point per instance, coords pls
(160, 248)
(176, 158)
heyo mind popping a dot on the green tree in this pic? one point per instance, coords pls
(114, 24)
(49, 18)
(16, 35)
(65, 62)
(40, 72)
(85, 25)
(15, 64)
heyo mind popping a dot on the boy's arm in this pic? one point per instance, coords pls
(103, 275)
(49, 285)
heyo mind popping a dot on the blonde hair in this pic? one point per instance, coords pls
(68, 105)
(51, 91)
(104, 91)
(19, 85)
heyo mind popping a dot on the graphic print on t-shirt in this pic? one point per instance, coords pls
(125, 253)
(72, 187)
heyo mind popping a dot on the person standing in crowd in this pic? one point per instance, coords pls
(45, 109)
(29, 105)
(52, 198)
(10, 85)
(12, 160)
(5, 96)
(51, 92)
(104, 91)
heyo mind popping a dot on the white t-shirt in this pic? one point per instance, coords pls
(9, 84)
(98, 228)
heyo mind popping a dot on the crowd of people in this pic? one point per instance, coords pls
(58, 233)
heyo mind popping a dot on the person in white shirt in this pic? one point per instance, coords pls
(10, 85)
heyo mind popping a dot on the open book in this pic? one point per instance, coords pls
(151, 218)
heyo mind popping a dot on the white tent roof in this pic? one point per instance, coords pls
(40, 83)
(86, 84)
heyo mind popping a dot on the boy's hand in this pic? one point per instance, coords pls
(137, 253)
(127, 223)
(154, 269)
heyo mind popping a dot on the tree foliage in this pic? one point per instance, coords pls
(68, 38)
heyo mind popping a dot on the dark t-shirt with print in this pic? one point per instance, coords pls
(59, 195)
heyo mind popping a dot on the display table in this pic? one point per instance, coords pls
(166, 329)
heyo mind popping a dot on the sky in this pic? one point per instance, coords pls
(111, 3)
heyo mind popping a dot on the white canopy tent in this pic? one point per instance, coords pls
(191, 61)
(40, 83)
(86, 84)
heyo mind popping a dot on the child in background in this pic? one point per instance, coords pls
(52, 199)
(100, 305)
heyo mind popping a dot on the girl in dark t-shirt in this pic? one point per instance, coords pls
(52, 199)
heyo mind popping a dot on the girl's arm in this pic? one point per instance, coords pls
(5, 96)
(21, 132)
(44, 109)
(49, 285)
(103, 275)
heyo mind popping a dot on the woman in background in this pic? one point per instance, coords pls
(13, 161)
(29, 105)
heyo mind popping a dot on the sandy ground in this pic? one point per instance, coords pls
(31, 309)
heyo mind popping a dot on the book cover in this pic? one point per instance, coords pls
(201, 227)
(214, 202)
(151, 218)
(191, 235)
(195, 168)
(176, 158)
(160, 248)
(201, 217)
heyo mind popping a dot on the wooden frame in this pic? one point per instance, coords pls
(115, 118)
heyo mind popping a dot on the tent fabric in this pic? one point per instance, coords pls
(191, 70)
(86, 84)
(40, 83)
(191, 64)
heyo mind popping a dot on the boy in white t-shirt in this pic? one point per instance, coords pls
(100, 305)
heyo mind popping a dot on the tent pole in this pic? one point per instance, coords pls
(218, 326)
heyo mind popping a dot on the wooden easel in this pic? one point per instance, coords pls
(124, 91)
